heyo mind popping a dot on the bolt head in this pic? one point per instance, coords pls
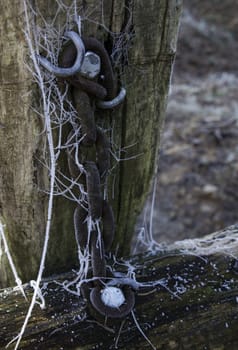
(91, 65)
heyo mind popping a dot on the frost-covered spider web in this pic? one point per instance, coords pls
(221, 242)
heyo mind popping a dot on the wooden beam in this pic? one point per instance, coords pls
(194, 305)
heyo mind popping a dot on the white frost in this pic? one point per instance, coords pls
(112, 296)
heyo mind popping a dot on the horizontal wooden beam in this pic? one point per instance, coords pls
(193, 306)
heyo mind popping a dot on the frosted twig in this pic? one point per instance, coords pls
(46, 113)
(11, 263)
(152, 212)
(141, 330)
(39, 294)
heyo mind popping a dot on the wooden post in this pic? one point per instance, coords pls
(148, 33)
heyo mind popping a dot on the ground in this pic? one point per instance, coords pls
(196, 190)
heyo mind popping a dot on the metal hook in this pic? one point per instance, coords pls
(66, 72)
(114, 102)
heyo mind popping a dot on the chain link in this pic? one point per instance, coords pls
(93, 218)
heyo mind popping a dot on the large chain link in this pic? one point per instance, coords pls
(88, 153)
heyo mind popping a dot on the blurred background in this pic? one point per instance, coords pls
(197, 182)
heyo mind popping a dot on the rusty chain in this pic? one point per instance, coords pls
(93, 85)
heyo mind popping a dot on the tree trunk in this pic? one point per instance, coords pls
(146, 52)
(193, 305)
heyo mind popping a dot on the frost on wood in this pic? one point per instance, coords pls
(196, 298)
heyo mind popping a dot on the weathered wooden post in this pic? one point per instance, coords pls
(145, 36)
